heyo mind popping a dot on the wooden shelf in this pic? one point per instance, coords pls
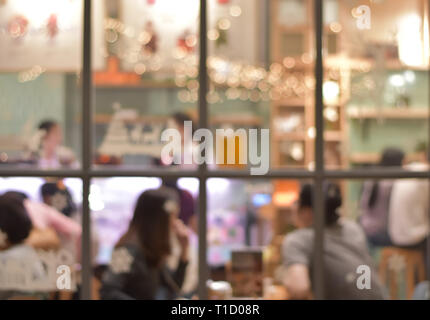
(305, 105)
(141, 86)
(333, 136)
(367, 64)
(373, 158)
(290, 103)
(290, 136)
(107, 118)
(214, 120)
(237, 119)
(329, 136)
(388, 113)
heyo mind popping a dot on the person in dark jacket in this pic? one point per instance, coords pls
(138, 268)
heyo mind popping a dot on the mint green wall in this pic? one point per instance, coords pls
(373, 135)
(57, 96)
(32, 101)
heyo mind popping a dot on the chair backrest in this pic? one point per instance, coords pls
(422, 291)
(396, 260)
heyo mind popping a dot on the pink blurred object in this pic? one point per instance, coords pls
(52, 26)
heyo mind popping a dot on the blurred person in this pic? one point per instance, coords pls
(45, 218)
(57, 195)
(177, 121)
(375, 201)
(409, 207)
(47, 149)
(187, 211)
(188, 216)
(138, 269)
(15, 227)
(344, 251)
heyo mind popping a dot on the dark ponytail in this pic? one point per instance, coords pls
(332, 200)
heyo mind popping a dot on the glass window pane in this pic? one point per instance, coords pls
(261, 80)
(261, 238)
(43, 239)
(145, 81)
(376, 83)
(247, 224)
(393, 216)
(40, 63)
(127, 213)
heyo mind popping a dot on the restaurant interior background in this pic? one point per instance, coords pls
(261, 68)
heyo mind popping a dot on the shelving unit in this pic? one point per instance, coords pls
(297, 58)
(373, 158)
(251, 121)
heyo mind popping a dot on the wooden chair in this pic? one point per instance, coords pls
(393, 260)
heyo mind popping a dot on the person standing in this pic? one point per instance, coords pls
(375, 201)
(409, 207)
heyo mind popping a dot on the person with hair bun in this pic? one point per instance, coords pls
(345, 252)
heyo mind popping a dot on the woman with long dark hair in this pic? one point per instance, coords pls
(138, 267)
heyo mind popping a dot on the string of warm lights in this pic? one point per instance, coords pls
(229, 80)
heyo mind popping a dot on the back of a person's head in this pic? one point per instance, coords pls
(48, 189)
(180, 118)
(170, 182)
(47, 125)
(17, 194)
(15, 223)
(392, 157)
(151, 222)
(332, 200)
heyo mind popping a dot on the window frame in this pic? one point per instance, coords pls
(318, 176)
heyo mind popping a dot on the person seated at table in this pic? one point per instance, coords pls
(45, 219)
(179, 121)
(345, 250)
(138, 268)
(47, 150)
(21, 269)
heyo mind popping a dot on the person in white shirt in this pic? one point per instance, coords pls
(409, 209)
